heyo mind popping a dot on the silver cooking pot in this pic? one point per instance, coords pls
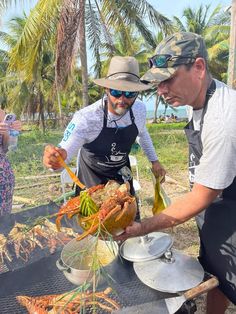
(77, 259)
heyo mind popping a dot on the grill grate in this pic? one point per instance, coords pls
(42, 278)
(8, 222)
(39, 276)
(3, 268)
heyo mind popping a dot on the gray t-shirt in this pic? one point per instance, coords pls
(217, 167)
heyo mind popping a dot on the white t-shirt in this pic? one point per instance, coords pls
(87, 124)
(217, 168)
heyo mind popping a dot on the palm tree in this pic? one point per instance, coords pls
(215, 28)
(197, 20)
(232, 57)
(100, 19)
(28, 95)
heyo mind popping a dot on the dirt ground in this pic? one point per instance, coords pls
(185, 236)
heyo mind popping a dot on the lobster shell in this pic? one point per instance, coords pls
(117, 218)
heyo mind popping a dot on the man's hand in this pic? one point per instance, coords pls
(50, 155)
(133, 230)
(158, 170)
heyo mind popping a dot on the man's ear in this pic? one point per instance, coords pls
(200, 66)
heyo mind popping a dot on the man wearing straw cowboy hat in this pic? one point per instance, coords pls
(105, 131)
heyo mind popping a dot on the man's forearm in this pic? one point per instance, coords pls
(181, 210)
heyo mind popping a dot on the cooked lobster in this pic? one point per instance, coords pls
(108, 209)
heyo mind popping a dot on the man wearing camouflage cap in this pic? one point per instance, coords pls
(179, 70)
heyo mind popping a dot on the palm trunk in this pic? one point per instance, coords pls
(41, 111)
(157, 101)
(232, 48)
(83, 53)
(58, 100)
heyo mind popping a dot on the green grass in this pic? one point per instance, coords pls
(27, 160)
(171, 146)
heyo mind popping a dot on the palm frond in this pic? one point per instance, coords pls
(37, 30)
(145, 32)
(94, 36)
(156, 18)
(4, 4)
(178, 24)
(113, 11)
(101, 20)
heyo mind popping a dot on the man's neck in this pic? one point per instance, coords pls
(202, 94)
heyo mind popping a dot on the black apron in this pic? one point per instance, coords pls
(102, 159)
(216, 224)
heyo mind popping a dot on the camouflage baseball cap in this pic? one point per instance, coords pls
(173, 51)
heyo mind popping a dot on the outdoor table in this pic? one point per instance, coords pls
(40, 276)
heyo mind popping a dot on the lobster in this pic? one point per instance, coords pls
(103, 209)
(69, 303)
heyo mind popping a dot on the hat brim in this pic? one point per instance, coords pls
(122, 85)
(155, 76)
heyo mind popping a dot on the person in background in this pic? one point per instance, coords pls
(180, 71)
(104, 132)
(7, 180)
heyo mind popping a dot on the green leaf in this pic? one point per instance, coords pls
(87, 205)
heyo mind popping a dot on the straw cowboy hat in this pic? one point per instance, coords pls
(123, 74)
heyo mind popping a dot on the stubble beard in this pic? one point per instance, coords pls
(119, 110)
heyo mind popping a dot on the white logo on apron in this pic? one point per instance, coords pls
(116, 157)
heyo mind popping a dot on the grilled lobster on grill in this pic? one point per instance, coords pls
(104, 209)
(70, 302)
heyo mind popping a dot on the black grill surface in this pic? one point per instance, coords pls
(27, 217)
(40, 276)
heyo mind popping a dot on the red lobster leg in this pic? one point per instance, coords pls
(70, 209)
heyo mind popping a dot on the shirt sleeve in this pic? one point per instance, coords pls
(217, 166)
(83, 128)
(146, 144)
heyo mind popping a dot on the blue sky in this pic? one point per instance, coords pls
(169, 9)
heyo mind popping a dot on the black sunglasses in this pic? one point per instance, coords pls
(118, 93)
(165, 61)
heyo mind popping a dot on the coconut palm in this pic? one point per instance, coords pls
(232, 58)
(28, 96)
(75, 18)
(215, 28)
(197, 20)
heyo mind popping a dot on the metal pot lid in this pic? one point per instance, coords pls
(146, 248)
(172, 273)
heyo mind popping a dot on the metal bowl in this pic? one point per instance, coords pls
(81, 260)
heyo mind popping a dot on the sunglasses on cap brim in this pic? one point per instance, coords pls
(118, 93)
(166, 60)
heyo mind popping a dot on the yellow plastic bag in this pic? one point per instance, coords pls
(161, 200)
